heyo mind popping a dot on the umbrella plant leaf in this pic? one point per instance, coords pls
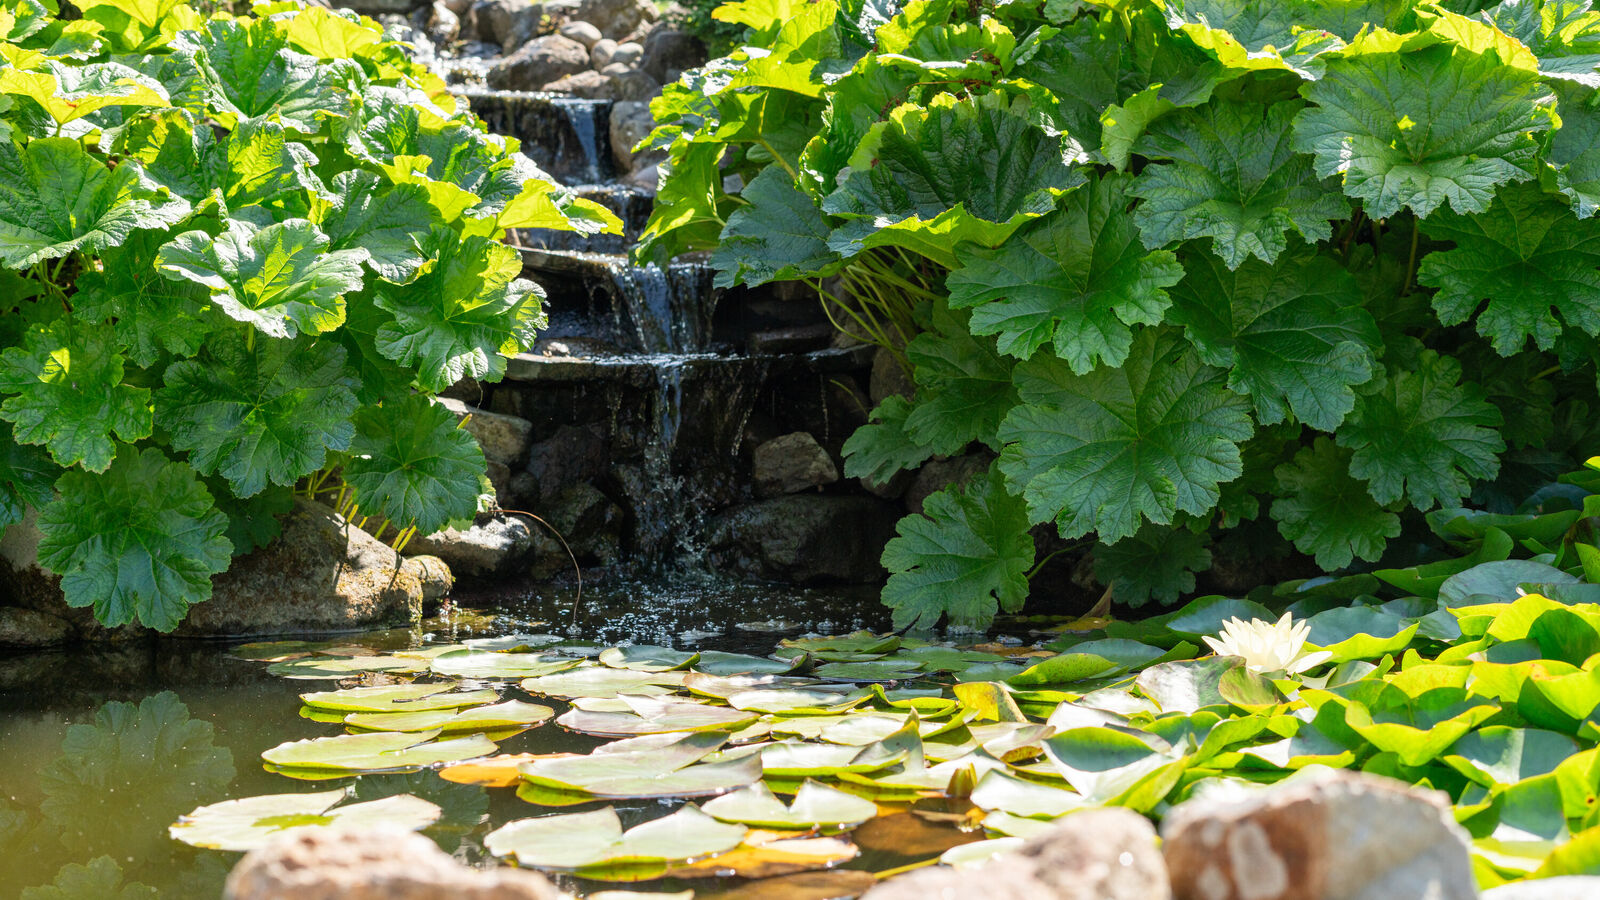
(68, 393)
(410, 462)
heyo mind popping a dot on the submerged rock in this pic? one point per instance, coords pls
(487, 548)
(1097, 854)
(805, 539)
(1330, 835)
(790, 464)
(539, 62)
(380, 864)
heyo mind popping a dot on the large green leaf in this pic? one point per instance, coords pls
(931, 177)
(1516, 268)
(27, 478)
(963, 386)
(1326, 512)
(1234, 178)
(1108, 450)
(874, 452)
(779, 235)
(413, 466)
(252, 74)
(1422, 128)
(153, 315)
(966, 557)
(461, 316)
(280, 279)
(139, 542)
(1423, 435)
(259, 415)
(56, 199)
(1563, 34)
(69, 395)
(1157, 563)
(1077, 279)
(390, 222)
(1292, 334)
(1274, 34)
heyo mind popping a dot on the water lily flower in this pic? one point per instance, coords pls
(1268, 646)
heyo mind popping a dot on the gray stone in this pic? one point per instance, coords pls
(1567, 887)
(889, 377)
(631, 123)
(938, 474)
(537, 63)
(459, 7)
(30, 629)
(499, 475)
(443, 23)
(583, 32)
(487, 548)
(790, 464)
(644, 177)
(600, 53)
(1097, 854)
(669, 50)
(613, 18)
(504, 438)
(631, 84)
(29, 586)
(1325, 835)
(589, 525)
(506, 24)
(628, 53)
(804, 539)
(572, 454)
(321, 574)
(383, 863)
(587, 85)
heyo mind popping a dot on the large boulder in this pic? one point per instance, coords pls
(30, 629)
(630, 123)
(938, 474)
(1097, 854)
(571, 454)
(628, 83)
(504, 438)
(668, 51)
(805, 539)
(537, 63)
(1324, 835)
(614, 19)
(372, 864)
(487, 548)
(507, 24)
(791, 463)
(589, 85)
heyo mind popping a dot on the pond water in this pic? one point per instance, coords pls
(104, 747)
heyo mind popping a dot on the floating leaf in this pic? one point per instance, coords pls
(597, 681)
(397, 698)
(815, 805)
(252, 822)
(499, 666)
(512, 715)
(591, 843)
(648, 715)
(345, 666)
(647, 658)
(379, 751)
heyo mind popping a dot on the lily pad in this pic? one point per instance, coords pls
(1001, 791)
(602, 681)
(649, 715)
(977, 853)
(397, 698)
(248, 823)
(593, 843)
(724, 686)
(649, 766)
(815, 805)
(856, 642)
(716, 662)
(374, 752)
(795, 701)
(330, 667)
(493, 666)
(647, 658)
(512, 715)
(892, 669)
(1114, 767)
(501, 770)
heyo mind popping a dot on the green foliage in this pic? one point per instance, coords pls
(245, 248)
(1167, 226)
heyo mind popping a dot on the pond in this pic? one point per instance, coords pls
(107, 746)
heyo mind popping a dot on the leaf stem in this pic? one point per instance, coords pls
(1411, 264)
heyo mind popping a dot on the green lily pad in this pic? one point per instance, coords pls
(1498, 755)
(815, 805)
(277, 651)
(331, 667)
(715, 662)
(966, 856)
(857, 642)
(1115, 767)
(647, 658)
(795, 701)
(891, 669)
(1205, 616)
(1004, 823)
(649, 715)
(602, 681)
(649, 766)
(1360, 632)
(374, 752)
(948, 659)
(511, 715)
(1497, 582)
(514, 643)
(250, 822)
(593, 843)
(793, 759)
(397, 698)
(493, 666)
(724, 686)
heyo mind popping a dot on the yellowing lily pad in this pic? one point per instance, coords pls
(248, 823)
(494, 771)
(512, 715)
(333, 757)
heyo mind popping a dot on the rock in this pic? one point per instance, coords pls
(645, 178)
(589, 522)
(443, 23)
(628, 53)
(889, 378)
(600, 53)
(459, 7)
(1325, 835)
(504, 438)
(583, 32)
(321, 574)
(30, 629)
(631, 123)
(1097, 854)
(506, 24)
(537, 63)
(789, 339)
(804, 539)
(938, 474)
(589, 85)
(29, 586)
(382, 863)
(499, 475)
(668, 49)
(488, 548)
(1566, 887)
(613, 18)
(790, 464)
(572, 454)
(628, 83)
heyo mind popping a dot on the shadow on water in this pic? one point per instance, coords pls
(104, 747)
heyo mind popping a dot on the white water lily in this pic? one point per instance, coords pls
(1268, 646)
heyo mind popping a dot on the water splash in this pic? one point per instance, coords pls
(590, 124)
